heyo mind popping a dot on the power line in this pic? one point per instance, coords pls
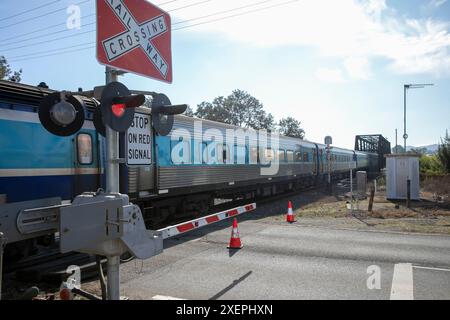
(29, 10)
(235, 15)
(66, 30)
(52, 50)
(53, 54)
(48, 13)
(45, 35)
(64, 50)
(160, 4)
(221, 12)
(51, 40)
(190, 5)
(42, 29)
(40, 16)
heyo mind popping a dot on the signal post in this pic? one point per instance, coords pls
(115, 21)
(112, 186)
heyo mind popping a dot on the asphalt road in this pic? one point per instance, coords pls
(283, 261)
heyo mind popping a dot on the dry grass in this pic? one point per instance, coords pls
(388, 214)
(336, 209)
(422, 217)
(438, 187)
(440, 225)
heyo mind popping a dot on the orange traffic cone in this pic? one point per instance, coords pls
(235, 241)
(65, 293)
(290, 215)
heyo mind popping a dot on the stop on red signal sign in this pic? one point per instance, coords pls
(134, 36)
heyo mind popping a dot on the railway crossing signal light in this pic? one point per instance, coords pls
(163, 112)
(117, 107)
(62, 113)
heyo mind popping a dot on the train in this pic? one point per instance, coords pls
(36, 164)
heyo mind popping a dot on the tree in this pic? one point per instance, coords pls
(444, 152)
(398, 149)
(239, 108)
(291, 127)
(215, 110)
(247, 111)
(7, 73)
(189, 112)
(419, 150)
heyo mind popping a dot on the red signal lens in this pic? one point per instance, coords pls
(118, 109)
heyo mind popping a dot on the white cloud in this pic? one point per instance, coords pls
(358, 68)
(353, 31)
(437, 3)
(333, 75)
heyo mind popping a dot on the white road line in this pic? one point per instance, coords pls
(159, 297)
(402, 282)
(431, 268)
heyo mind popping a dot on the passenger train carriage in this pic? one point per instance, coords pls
(35, 164)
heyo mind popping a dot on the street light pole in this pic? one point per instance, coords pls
(405, 136)
(405, 88)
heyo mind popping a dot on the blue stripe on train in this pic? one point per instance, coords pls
(30, 188)
(29, 145)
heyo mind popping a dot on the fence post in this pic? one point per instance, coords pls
(372, 194)
(408, 193)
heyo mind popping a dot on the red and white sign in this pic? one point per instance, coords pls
(134, 36)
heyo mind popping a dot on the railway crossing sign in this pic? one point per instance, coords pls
(134, 36)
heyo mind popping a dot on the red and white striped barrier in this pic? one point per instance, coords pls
(183, 227)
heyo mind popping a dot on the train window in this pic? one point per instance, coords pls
(240, 152)
(226, 154)
(290, 155)
(198, 158)
(281, 156)
(84, 148)
(216, 152)
(269, 155)
(253, 155)
(298, 156)
(305, 157)
(204, 151)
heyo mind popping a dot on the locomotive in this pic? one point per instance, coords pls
(36, 164)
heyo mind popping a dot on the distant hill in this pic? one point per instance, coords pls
(432, 148)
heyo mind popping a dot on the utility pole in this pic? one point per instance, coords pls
(405, 88)
(396, 140)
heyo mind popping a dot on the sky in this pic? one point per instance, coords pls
(337, 66)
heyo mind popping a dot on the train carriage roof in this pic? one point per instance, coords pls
(15, 92)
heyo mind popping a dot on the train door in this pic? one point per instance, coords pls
(315, 166)
(321, 160)
(86, 168)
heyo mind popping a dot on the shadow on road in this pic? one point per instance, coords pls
(231, 286)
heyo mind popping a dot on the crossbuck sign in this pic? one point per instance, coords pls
(134, 36)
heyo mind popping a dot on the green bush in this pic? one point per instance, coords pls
(430, 165)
